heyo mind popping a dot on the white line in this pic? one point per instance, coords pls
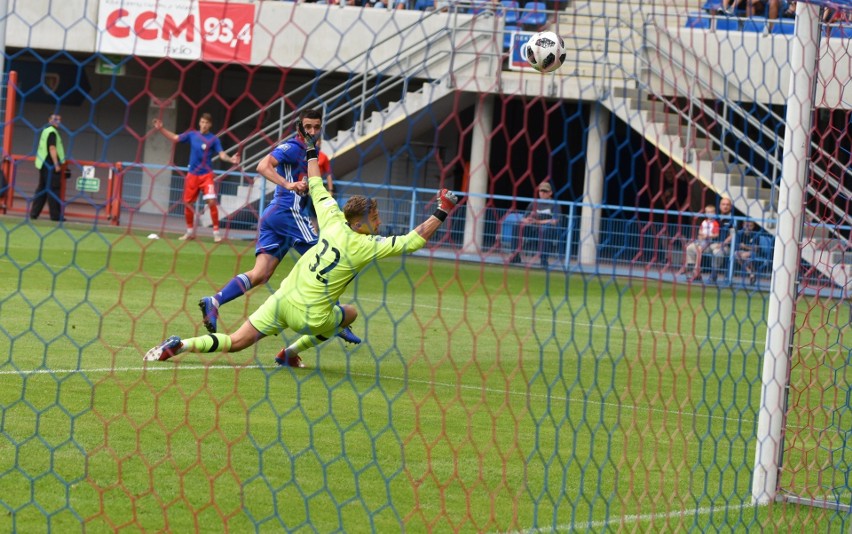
(171, 367)
(615, 521)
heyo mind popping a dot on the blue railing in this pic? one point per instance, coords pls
(628, 241)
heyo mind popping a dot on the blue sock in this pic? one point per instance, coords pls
(236, 288)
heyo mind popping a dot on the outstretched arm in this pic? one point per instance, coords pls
(446, 201)
(233, 160)
(170, 135)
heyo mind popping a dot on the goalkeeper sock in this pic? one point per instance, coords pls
(305, 342)
(208, 343)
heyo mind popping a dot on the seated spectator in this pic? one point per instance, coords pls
(730, 7)
(507, 230)
(708, 230)
(721, 245)
(748, 240)
(540, 222)
(778, 8)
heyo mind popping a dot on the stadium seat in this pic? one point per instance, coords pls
(424, 5)
(727, 24)
(712, 6)
(837, 32)
(699, 21)
(534, 16)
(754, 24)
(509, 11)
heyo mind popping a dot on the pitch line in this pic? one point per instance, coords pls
(171, 367)
(594, 525)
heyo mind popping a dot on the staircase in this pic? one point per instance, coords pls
(657, 107)
(391, 98)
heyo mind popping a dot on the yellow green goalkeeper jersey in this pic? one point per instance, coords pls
(323, 272)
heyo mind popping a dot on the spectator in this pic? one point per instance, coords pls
(721, 246)
(748, 240)
(730, 7)
(541, 221)
(708, 230)
(49, 159)
(783, 8)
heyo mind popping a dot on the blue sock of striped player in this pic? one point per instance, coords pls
(236, 288)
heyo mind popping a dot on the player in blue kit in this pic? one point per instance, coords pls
(307, 300)
(284, 224)
(203, 145)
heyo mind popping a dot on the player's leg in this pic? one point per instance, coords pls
(340, 317)
(246, 336)
(190, 193)
(264, 267)
(272, 244)
(208, 194)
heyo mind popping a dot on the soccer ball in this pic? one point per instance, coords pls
(545, 51)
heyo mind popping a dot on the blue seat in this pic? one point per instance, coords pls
(783, 27)
(423, 5)
(712, 5)
(727, 24)
(699, 21)
(754, 24)
(509, 11)
(837, 32)
(534, 15)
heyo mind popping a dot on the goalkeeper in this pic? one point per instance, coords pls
(306, 301)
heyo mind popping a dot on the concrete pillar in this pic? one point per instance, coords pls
(158, 150)
(480, 151)
(590, 217)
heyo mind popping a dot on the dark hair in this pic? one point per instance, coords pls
(206, 116)
(357, 207)
(310, 113)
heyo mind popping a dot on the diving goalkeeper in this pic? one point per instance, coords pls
(306, 301)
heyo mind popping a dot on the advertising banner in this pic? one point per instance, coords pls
(179, 29)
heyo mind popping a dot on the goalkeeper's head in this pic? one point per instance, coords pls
(362, 214)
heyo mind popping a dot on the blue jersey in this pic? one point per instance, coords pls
(286, 223)
(202, 148)
(292, 166)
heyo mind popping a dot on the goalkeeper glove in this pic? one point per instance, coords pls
(310, 142)
(446, 202)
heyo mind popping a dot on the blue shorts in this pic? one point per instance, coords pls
(282, 228)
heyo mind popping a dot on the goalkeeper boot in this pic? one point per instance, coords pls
(209, 313)
(347, 335)
(164, 350)
(284, 360)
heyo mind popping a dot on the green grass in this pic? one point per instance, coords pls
(484, 399)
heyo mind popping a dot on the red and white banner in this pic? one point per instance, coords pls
(179, 29)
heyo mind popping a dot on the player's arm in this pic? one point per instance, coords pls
(267, 168)
(233, 160)
(417, 238)
(170, 135)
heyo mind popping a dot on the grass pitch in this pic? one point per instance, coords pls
(484, 399)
